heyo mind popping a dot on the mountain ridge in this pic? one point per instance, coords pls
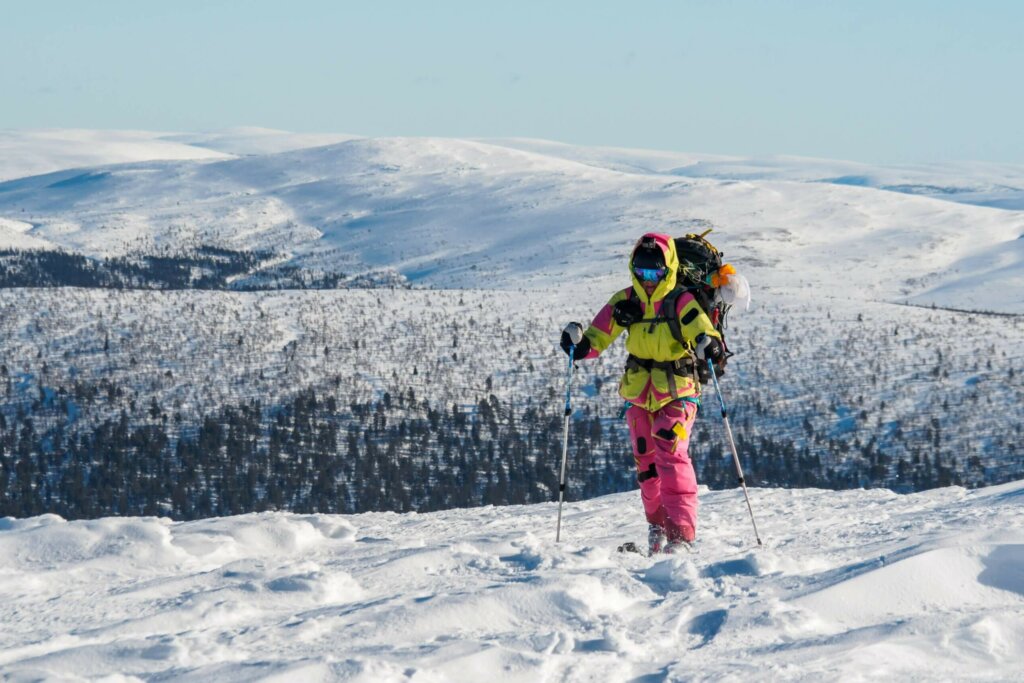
(449, 212)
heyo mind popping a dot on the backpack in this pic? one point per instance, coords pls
(700, 273)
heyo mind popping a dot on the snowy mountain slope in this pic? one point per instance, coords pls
(999, 185)
(849, 585)
(995, 274)
(34, 152)
(253, 140)
(853, 584)
(891, 389)
(982, 183)
(13, 235)
(458, 213)
(623, 159)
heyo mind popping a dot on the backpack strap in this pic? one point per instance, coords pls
(671, 304)
(669, 315)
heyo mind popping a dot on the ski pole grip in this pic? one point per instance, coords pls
(575, 333)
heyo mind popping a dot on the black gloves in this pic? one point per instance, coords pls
(627, 312)
(573, 334)
(707, 347)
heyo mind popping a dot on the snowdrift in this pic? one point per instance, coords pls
(860, 584)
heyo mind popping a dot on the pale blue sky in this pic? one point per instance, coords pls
(867, 80)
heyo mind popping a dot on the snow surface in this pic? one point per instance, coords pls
(894, 373)
(999, 185)
(853, 585)
(252, 140)
(33, 152)
(460, 213)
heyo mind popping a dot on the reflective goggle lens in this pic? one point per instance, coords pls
(650, 274)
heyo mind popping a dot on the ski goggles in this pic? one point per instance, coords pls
(650, 274)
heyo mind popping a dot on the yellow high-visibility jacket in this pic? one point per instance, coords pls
(645, 384)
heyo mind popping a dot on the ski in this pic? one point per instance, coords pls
(630, 547)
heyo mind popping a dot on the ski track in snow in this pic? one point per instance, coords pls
(856, 585)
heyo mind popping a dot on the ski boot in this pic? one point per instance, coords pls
(679, 539)
(678, 547)
(655, 539)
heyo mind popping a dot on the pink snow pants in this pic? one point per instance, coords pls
(668, 484)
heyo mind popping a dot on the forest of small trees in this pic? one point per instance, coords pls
(400, 453)
(205, 267)
(190, 404)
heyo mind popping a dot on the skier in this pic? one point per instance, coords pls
(667, 329)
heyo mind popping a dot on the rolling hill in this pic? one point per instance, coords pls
(458, 213)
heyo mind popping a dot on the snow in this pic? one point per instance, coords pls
(26, 153)
(893, 372)
(853, 584)
(34, 152)
(14, 235)
(253, 140)
(987, 279)
(459, 213)
(998, 185)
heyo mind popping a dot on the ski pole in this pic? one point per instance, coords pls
(732, 445)
(565, 435)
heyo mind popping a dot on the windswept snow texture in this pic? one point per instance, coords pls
(511, 214)
(858, 585)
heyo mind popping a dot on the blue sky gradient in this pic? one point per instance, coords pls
(869, 80)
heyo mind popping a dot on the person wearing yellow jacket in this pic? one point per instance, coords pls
(666, 330)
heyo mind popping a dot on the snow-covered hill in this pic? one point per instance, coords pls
(513, 238)
(458, 213)
(854, 585)
(33, 152)
(254, 140)
(829, 375)
(827, 367)
(982, 183)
